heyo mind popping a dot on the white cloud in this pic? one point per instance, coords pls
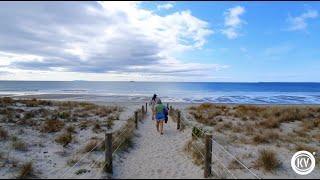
(300, 22)
(233, 22)
(165, 6)
(104, 37)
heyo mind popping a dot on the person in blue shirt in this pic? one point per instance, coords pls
(160, 116)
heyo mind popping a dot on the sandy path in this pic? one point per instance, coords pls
(156, 156)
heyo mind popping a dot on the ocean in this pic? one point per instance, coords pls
(193, 92)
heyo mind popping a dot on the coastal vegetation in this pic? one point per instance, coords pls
(55, 129)
(264, 130)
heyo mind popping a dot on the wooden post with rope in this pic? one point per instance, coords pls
(136, 118)
(108, 153)
(143, 113)
(179, 120)
(146, 108)
(208, 156)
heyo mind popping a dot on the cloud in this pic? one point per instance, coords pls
(300, 22)
(4, 73)
(233, 22)
(165, 6)
(99, 37)
(179, 69)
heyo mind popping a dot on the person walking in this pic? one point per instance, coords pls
(166, 114)
(160, 116)
(153, 103)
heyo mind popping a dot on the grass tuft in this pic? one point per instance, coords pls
(270, 123)
(96, 127)
(90, 146)
(268, 160)
(52, 126)
(26, 171)
(3, 134)
(71, 129)
(64, 139)
(304, 147)
(6, 101)
(19, 145)
(196, 149)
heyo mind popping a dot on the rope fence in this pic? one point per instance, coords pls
(109, 144)
(203, 147)
(83, 157)
(176, 115)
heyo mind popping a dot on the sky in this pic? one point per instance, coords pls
(160, 41)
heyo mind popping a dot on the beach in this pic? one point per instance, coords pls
(226, 122)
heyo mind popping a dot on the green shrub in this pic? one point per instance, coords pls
(64, 115)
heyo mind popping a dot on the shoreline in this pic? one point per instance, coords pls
(96, 98)
(133, 99)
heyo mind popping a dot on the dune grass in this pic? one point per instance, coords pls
(71, 129)
(19, 145)
(92, 145)
(60, 122)
(6, 101)
(64, 139)
(123, 138)
(54, 110)
(26, 171)
(196, 149)
(268, 160)
(271, 116)
(259, 126)
(50, 126)
(3, 134)
(260, 123)
(96, 127)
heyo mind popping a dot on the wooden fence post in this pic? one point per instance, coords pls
(193, 136)
(168, 105)
(136, 118)
(146, 108)
(208, 156)
(142, 109)
(108, 153)
(179, 120)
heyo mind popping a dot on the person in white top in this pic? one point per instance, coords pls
(153, 104)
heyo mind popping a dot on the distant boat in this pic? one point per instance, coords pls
(131, 81)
